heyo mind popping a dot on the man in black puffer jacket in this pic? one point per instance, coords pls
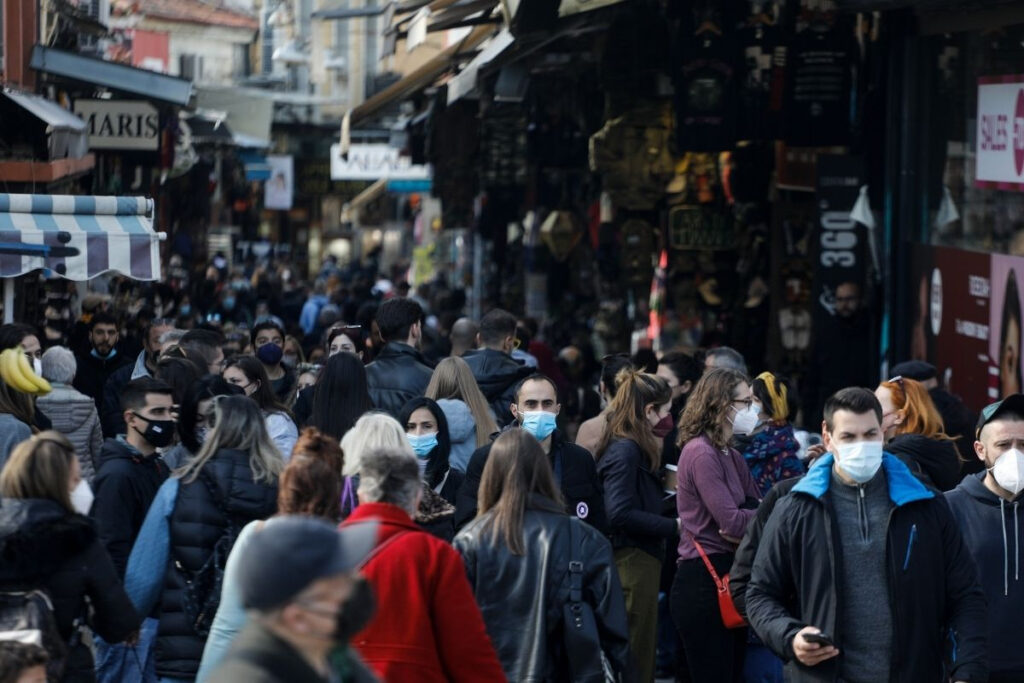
(399, 372)
(494, 369)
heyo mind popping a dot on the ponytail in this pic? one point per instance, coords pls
(635, 391)
(779, 396)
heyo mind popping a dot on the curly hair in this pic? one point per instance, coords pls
(707, 411)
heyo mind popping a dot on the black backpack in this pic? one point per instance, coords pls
(201, 596)
(27, 616)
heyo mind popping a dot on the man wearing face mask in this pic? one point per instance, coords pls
(299, 581)
(862, 574)
(102, 359)
(989, 507)
(268, 343)
(130, 469)
(535, 409)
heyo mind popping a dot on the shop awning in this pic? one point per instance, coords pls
(418, 79)
(210, 129)
(151, 85)
(256, 166)
(98, 234)
(66, 132)
(464, 83)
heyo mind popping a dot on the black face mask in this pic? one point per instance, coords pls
(356, 611)
(159, 433)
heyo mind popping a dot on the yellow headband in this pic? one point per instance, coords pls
(780, 406)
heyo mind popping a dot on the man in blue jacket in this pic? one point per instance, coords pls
(989, 507)
(862, 574)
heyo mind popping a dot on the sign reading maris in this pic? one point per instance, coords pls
(120, 124)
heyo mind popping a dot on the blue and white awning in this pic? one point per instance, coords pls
(78, 238)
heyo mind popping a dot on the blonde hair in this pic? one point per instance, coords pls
(372, 431)
(238, 423)
(40, 467)
(452, 379)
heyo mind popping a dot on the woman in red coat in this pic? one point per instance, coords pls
(427, 625)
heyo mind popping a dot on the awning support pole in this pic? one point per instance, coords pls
(8, 300)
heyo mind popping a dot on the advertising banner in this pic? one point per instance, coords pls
(278, 192)
(952, 293)
(1000, 133)
(1007, 277)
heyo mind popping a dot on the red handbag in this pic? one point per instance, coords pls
(730, 617)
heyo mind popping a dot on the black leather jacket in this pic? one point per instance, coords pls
(398, 374)
(521, 596)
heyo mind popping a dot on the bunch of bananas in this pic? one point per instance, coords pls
(17, 373)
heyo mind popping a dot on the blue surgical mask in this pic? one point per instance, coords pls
(422, 444)
(540, 423)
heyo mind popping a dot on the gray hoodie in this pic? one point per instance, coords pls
(74, 415)
(461, 430)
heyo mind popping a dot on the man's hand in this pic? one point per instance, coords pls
(808, 653)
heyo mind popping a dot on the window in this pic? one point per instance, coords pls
(190, 67)
(241, 66)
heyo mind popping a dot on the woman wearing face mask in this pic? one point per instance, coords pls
(247, 373)
(310, 485)
(268, 342)
(47, 543)
(716, 497)
(196, 513)
(196, 416)
(426, 427)
(375, 431)
(914, 433)
(771, 449)
(628, 462)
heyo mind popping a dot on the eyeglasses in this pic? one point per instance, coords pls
(745, 402)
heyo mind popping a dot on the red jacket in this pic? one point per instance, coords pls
(427, 626)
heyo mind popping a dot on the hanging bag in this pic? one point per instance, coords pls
(730, 616)
(587, 661)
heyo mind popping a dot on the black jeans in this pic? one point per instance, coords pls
(714, 653)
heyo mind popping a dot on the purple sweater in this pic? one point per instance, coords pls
(712, 486)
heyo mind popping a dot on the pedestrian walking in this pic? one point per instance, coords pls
(341, 395)
(399, 372)
(716, 497)
(591, 432)
(426, 427)
(517, 554)
(470, 420)
(496, 372)
(71, 412)
(248, 373)
(629, 462)
(195, 418)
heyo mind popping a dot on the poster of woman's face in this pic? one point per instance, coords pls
(1005, 331)
(277, 191)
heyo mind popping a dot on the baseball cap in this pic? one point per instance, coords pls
(290, 553)
(1013, 403)
(915, 369)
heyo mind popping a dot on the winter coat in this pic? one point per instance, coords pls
(993, 529)
(259, 656)
(42, 545)
(938, 608)
(12, 432)
(74, 415)
(497, 375)
(181, 530)
(427, 626)
(461, 432)
(126, 484)
(632, 500)
(522, 597)
(93, 372)
(575, 473)
(936, 459)
(398, 374)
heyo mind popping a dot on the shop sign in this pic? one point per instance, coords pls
(1000, 133)
(374, 162)
(953, 320)
(695, 227)
(120, 124)
(278, 192)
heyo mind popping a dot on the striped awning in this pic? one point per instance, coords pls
(77, 237)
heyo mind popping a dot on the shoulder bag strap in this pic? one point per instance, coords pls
(575, 563)
(707, 563)
(382, 547)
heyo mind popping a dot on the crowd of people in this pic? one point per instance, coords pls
(364, 485)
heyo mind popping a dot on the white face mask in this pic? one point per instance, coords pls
(860, 460)
(81, 498)
(1008, 471)
(37, 366)
(745, 420)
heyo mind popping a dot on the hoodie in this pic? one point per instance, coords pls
(461, 431)
(497, 375)
(126, 483)
(937, 459)
(992, 528)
